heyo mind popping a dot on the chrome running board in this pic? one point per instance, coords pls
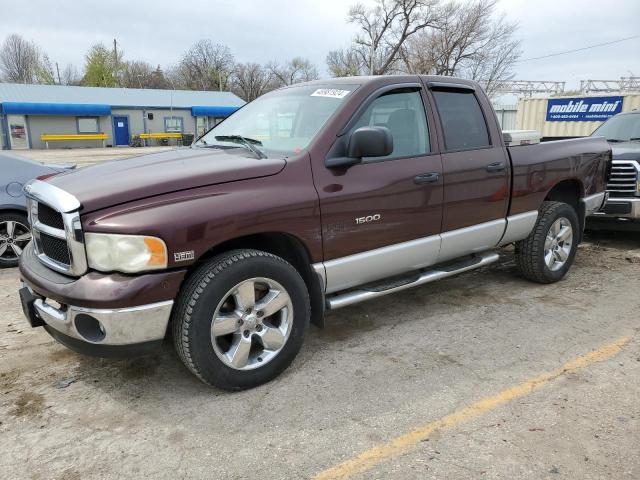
(360, 294)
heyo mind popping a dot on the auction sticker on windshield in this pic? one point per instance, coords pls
(330, 92)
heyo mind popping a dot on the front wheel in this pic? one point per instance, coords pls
(241, 318)
(546, 255)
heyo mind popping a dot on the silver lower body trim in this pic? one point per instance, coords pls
(519, 227)
(119, 326)
(360, 295)
(473, 239)
(353, 270)
(594, 202)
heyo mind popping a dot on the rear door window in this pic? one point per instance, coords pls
(463, 123)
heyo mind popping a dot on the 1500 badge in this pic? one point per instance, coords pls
(369, 218)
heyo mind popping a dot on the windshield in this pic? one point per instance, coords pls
(282, 122)
(622, 128)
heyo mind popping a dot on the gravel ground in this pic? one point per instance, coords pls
(379, 370)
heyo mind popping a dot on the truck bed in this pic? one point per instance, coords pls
(537, 168)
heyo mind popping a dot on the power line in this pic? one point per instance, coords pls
(579, 49)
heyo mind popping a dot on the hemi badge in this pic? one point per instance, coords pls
(183, 256)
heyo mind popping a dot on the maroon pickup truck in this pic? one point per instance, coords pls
(311, 198)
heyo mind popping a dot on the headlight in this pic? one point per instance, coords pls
(125, 253)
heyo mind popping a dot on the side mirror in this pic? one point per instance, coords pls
(370, 142)
(364, 142)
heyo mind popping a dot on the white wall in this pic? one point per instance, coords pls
(506, 116)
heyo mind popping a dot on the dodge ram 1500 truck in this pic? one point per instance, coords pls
(311, 198)
(622, 131)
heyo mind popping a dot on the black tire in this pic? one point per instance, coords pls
(530, 252)
(204, 291)
(9, 258)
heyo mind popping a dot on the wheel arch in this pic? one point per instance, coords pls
(570, 191)
(14, 209)
(284, 245)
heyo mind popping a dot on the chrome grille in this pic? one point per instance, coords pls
(48, 216)
(624, 179)
(55, 248)
(56, 229)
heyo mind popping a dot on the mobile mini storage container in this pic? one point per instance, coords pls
(568, 117)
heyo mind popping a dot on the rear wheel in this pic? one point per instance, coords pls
(546, 255)
(241, 318)
(14, 236)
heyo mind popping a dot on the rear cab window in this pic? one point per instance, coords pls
(463, 124)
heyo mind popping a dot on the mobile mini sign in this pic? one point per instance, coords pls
(584, 109)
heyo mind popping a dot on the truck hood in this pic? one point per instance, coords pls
(625, 151)
(121, 181)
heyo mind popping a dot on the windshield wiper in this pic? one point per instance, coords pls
(249, 143)
(621, 140)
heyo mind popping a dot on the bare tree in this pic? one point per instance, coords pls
(205, 66)
(470, 42)
(21, 61)
(70, 75)
(385, 28)
(295, 70)
(344, 63)
(141, 74)
(250, 80)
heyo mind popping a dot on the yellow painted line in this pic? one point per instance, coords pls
(403, 443)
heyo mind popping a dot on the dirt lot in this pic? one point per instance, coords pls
(380, 370)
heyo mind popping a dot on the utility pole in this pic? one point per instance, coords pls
(115, 61)
(58, 70)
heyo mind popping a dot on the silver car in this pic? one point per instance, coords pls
(14, 227)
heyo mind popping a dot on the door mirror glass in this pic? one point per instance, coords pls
(370, 142)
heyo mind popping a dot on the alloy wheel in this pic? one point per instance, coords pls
(14, 236)
(252, 323)
(558, 244)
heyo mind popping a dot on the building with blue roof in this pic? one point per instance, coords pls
(29, 113)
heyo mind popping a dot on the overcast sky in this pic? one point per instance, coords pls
(261, 31)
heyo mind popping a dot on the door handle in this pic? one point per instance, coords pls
(423, 178)
(496, 167)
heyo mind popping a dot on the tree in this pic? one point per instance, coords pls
(100, 67)
(295, 70)
(250, 80)
(383, 31)
(22, 61)
(140, 74)
(44, 71)
(158, 79)
(344, 63)
(70, 76)
(205, 66)
(470, 42)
